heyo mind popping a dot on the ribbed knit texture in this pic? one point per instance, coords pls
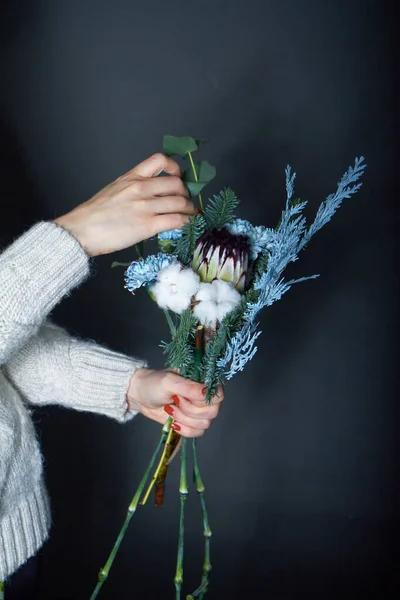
(41, 364)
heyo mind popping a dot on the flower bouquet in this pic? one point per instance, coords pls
(212, 278)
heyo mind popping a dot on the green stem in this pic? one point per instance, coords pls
(195, 178)
(104, 572)
(2, 590)
(202, 589)
(160, 463)
(183, 491)
(170, 322)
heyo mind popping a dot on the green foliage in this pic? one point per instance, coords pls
(205, 173)
(180, 351)
(190, 234)
(119, 264)
(219, 210)
(173, 145)
(211, 372)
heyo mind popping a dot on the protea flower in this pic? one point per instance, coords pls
(219, 254)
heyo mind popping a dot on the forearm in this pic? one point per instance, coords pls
(55, 368)
(36, 272)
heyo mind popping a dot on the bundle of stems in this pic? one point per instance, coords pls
(104, 572)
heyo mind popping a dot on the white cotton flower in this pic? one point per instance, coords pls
(215, 301)
(175, 287)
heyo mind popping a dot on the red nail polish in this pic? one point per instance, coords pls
(203, 391)
(176, 400)
(175, 427)
(168, 409)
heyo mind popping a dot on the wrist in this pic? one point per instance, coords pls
(133, 395)
(68, 223)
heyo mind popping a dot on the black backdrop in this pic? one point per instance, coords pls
(299, 466)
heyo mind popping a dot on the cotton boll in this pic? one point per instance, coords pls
(225, 292)
(215, 301)
(167, 296)
(206, 313)
(187, 282)
(224, 308)
(170, 273)
(206, 293)
(161, 294)
(178, 303)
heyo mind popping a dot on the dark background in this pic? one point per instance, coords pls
(300, 465)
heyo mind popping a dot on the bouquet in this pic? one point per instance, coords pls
(212, 278)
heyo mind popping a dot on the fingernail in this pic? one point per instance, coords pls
(176, 400)
(175, 427)
(200, 212)
(204, 390)
(169, 410)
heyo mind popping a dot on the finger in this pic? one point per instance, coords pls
(188, 409)
(162, 186)
(197, 422)
(156, 164)
(161, 223)
(179, 386)
(171, 204)
(189, 432)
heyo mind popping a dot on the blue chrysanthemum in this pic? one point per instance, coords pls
(259, 237)
(144, 272)
(171, 234)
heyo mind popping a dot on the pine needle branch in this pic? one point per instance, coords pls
(219, 210)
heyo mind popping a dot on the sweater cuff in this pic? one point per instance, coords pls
(101, 380)
(47, 263)
(23, 531)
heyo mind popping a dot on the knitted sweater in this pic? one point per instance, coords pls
(41, 364)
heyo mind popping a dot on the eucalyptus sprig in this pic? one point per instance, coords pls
(199, 174)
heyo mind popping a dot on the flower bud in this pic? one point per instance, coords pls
(219, 254)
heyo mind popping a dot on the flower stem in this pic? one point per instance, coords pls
(183, 492)
(104, 572)
(160, 464)
(1, 590)
(196, 178)
(170, 322)
(202, 589)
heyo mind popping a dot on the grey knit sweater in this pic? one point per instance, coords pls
(41, 364)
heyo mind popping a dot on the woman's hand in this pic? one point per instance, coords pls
(133, 208)
(160, 394)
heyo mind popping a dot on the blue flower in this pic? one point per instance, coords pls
(144, 272)
(171, 234)
(259, 237)
(240, 227)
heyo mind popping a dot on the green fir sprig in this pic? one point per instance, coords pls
(219, 210)
(180, 350)
(190, 234)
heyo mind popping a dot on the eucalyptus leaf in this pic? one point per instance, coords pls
(205, 173)
(119, 264)
(179, 145)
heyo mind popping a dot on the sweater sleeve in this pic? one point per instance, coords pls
(36, 272)
(55, 368)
